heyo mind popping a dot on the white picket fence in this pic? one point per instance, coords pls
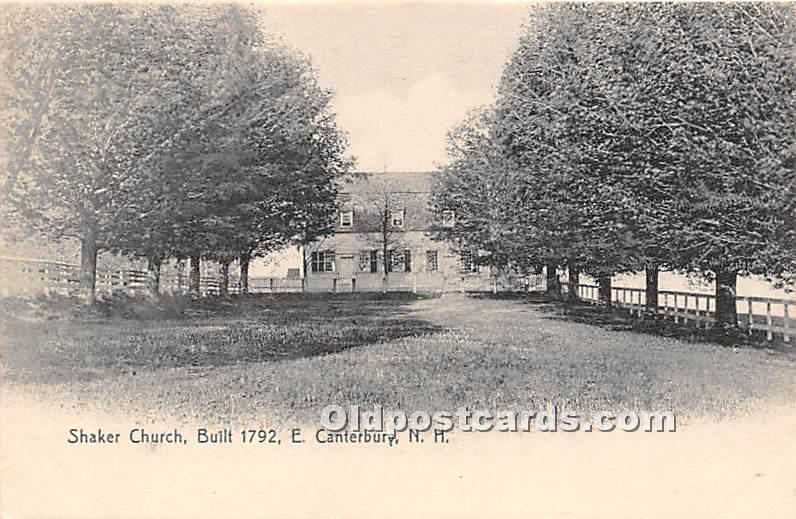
(770, 315)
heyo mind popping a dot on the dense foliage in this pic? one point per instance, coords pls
(163, 131)
(627, 137)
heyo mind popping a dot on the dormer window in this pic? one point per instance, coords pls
(448, 218)
(346, 218)
(398, 218)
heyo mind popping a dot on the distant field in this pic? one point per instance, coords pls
(747, 286)
(284, 357)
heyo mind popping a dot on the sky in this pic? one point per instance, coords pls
(403, 73)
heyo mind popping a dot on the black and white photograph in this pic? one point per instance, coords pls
(397, 259)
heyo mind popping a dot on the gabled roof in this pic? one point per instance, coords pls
(409, 191)
(398, 181)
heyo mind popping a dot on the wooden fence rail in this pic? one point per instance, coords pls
(26, 276)
(770, 315)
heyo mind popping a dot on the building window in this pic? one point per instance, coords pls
(398, 218)
(468, 263)
(369, 261)
(448, 218)
(374, 261)
(399, 260)
(431, 261)
(346, 218)
(322, 261)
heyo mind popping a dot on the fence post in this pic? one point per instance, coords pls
(707, 312)
(676, 317)
(769, 334)
(749, 316)
(785, 323)
(698, 317)
(685, 317)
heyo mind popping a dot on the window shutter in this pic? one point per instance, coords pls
(407, 260)
(364, 261)
(374, 261)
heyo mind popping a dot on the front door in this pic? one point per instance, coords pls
(345, 273)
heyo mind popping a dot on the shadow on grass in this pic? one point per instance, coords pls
(619, 319)
(126, 337)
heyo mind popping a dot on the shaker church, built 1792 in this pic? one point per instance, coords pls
(386, 222)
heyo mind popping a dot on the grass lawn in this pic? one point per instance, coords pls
(284, 357)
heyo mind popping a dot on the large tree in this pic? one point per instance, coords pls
(654, 151)
(260, 167)
(552, 106)
(725, 114)
(171, 132)
(93, 97)
(486, 191)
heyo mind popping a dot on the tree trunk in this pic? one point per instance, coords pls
(88, 267)
(244, 273)
(193, 281)
(223, 285)
(726, 313)
(303, 251)
(553, 288)
(574, 281)
(180, 275)
(153, 277)
(386, 259)
(604, 290)
(651, 272)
